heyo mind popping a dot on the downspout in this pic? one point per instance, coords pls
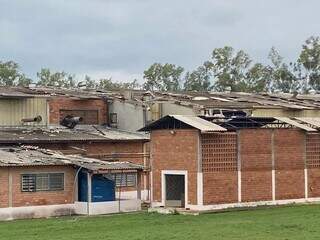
(75, 181)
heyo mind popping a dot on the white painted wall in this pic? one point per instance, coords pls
(133, 195)
(130, 116)
(96, 208)
(36, 211)
(172, 108)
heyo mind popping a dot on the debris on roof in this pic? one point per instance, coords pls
(216, 124)
(34, 156)
(60, 134)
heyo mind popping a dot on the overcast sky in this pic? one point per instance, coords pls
(121, 38)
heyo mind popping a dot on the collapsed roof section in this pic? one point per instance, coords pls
(27, 156)
(207, 125)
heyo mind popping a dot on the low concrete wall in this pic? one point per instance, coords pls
(242, 204)
(133, 195)
(36, 211)
(97, 208)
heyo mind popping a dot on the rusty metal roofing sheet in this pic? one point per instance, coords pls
(312, 121)
(199, 123)
(295, 123)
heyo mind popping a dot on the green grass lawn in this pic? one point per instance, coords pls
(294, 222)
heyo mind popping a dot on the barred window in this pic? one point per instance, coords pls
(42, 182)
(124, 179)
(28, 183)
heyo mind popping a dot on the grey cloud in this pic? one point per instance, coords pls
(81, 36)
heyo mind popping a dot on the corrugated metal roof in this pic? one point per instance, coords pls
(199, 123)
(295, 123)
(59, 134)
(312, 121)
(33, 156)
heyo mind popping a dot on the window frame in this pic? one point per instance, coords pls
(113, 116)
(117, 176)
(42, 174)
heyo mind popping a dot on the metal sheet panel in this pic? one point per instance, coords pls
(296, 124)
(311, 121)
(199, 123)
(13, 110)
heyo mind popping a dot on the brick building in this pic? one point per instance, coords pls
(41, 183)
(203, 165)
(96, 142)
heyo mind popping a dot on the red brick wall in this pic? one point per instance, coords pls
(220, 187)
(313, 164)
(220, 182)
(314, 182)
(289, 163)
(219, 166)
(256, 165)
(4, 187)
(65, 103)
(174, 152)
(20, 199)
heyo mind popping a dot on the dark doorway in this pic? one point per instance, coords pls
(175, 192)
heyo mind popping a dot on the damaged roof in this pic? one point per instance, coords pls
(19, 92)
(60, 134)
(227, 100)
(199, 123)
(234, 100)
(221, 124)
(33, 156)
(182, 121)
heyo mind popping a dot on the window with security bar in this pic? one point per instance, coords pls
(123, 179)
(42, 182)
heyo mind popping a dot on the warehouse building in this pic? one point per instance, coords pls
(206, 164)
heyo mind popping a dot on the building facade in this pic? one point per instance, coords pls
(206, 170)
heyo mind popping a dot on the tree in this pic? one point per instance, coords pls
(24, 81)
(108, 84)
(258, 78)
(285, 77)
(10, 75)
(199, 79)
(90, 83)
(55, 79)
(165, 77)
(229, 69)
(309, 58)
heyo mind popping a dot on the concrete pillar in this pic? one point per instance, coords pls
(10, 193)
(145, 175)
(89, 199)
(199, 173)
(306, 193)
(273, 173)
(239, 165)
(138, 185)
